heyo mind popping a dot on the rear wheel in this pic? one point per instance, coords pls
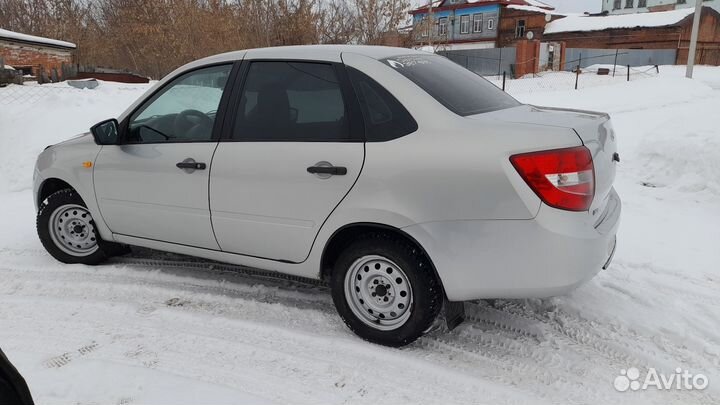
(67, 230)
(385, 290)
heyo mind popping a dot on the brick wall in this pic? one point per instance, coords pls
(662, 7)
(708, 51)
(36, 57)
(509, 18)
(527, 57)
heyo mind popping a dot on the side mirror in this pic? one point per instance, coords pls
(106, 132)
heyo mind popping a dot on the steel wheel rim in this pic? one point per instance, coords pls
(378, 292)
(73, 231)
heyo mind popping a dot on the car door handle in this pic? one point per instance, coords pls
(331, 170)
(193, 165)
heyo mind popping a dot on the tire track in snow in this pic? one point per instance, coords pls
(65, 358)
(530, 345)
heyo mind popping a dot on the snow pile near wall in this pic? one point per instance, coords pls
(32, 38)
(682, 155)
(586, 23)
(33, 117)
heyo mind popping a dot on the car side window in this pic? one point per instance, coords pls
(385, 117)
(183, 111)
(292, 102)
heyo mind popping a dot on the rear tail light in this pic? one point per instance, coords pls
(562, 178)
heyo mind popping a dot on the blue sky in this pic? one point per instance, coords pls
(577, 6)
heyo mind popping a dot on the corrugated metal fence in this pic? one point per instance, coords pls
(495, 61)
(485, 62)
(622, 57)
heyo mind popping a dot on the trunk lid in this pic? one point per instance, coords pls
(594, 130)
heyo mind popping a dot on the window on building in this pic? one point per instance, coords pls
(477, 22)
(520, 29)
(464, 24)
(629, 3)
(424, 29)
(24, 70)
(681, 1)
(491, 24)
(642, 3)
(442, 26)
(617, 4)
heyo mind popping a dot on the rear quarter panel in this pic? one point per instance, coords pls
(451, 168)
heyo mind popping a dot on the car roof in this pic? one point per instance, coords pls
(330, 53)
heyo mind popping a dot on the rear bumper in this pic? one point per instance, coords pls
(546, 256)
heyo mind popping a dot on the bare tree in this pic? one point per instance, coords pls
(153, 37)
(377, 18)
(338, 24)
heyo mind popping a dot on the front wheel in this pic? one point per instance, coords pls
(385, 290)
(67, 230)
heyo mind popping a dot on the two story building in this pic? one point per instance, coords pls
(477, 24)
(641, 6)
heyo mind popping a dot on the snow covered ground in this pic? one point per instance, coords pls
(162, 330)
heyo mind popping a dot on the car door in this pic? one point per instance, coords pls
(294, 150)
(155, 184)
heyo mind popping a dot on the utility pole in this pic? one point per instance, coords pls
(430, 23)
(694, 39)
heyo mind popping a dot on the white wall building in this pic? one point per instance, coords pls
(641, 6)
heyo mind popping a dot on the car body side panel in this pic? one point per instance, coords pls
(261, 191)
(141, 192)
(310, 268)
(546, 256)
(451, 168)
(65, 162)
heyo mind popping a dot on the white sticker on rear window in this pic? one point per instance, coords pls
(407, 60)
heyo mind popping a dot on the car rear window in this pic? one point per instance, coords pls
(460, 90)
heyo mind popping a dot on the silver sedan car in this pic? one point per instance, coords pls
(407, 182)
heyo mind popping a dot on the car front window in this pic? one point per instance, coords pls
(183, 111)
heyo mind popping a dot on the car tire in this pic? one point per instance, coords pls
(385, 289)
(60, 216)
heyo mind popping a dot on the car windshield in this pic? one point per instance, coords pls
(460, 90)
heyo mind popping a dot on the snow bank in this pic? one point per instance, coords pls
(669, 150)
(683, 155)
(587, 23)
(32, 38)
(33, 117)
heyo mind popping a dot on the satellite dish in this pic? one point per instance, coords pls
(530, 35)
(548, 17)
